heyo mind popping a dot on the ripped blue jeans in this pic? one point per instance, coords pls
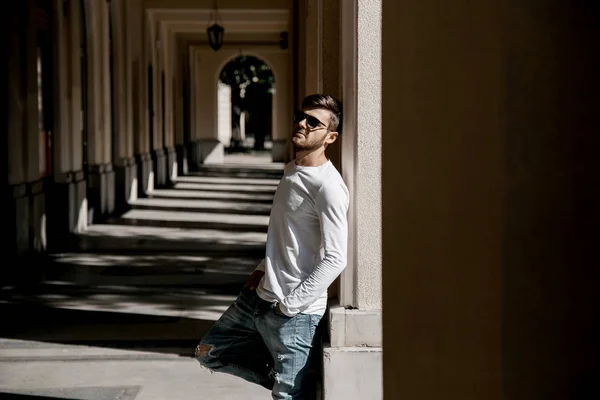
(255, 343)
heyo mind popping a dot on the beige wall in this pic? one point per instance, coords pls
(489, 199)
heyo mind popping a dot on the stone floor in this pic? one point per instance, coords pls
(119, 318)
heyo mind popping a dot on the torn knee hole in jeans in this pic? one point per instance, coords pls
(202, 350)
(274, 375)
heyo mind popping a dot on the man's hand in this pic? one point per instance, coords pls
(278, 310)
(254, 280)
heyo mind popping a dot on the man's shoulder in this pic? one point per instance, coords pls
(333, 188)
(334, 178)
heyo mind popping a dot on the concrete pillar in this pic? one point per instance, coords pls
(282, 105)
(99, 141)
(353, 358)
(66, 198)
(181, 70)
(36, 149)
(491, 193)
(124, 162)
(330, 64)
(156, 59)
(77, 192)
(168, 59)
(20, 23)
(313, 50)
(137, 42)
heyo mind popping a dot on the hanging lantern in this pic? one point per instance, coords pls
(215, 36)
(215, 31)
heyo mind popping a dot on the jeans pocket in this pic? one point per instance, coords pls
(278, 313)
(314, 323)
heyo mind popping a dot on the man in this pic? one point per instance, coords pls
(267, 335)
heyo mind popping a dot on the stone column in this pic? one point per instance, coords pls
(156, 49)
(193, 160)
(21, 33)
(169, 61)
(137, 41)
(99, 141)
(66, 199)
(78, 193)
(330, 65)
(181, 70)
(282, 106)
(491, 194)
(355, 326)
(124, 161)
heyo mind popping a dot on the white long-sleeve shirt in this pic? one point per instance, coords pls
(307, 239)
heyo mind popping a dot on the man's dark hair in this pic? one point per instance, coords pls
(328, 103)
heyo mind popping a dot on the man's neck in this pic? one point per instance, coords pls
(311, 158)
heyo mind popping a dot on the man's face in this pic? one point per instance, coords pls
(310, 128)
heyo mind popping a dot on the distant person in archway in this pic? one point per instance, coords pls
(268, 334)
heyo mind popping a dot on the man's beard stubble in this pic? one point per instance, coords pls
(307, 146)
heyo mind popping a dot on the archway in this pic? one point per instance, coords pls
(245, 90)
(206, 66)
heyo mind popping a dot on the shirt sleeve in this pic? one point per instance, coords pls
(332, 208)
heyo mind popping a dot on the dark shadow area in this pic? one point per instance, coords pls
(155, 245)
(78, 393)
(198, 179)
(236, 172)
(18, 396)
(117, 330)
(221, 226)
(84, 272)
(158, 195)
(269, 192)
(148, 285)
(230, 210)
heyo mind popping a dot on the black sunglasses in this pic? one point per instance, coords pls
(311, 121)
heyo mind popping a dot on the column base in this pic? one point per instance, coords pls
(352, 373)
(206, 151)
(19, 211)
(353, 354)
(280, 151)
(145, 174)
(66, 208)
(160, 167)
(100, 192)
(26, 231)
(172, 170)
(182, 160)
(126, 183)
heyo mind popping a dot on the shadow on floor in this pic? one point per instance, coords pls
(155, 283)
(78, 393)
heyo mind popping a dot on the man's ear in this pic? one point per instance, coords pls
(331, 137)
